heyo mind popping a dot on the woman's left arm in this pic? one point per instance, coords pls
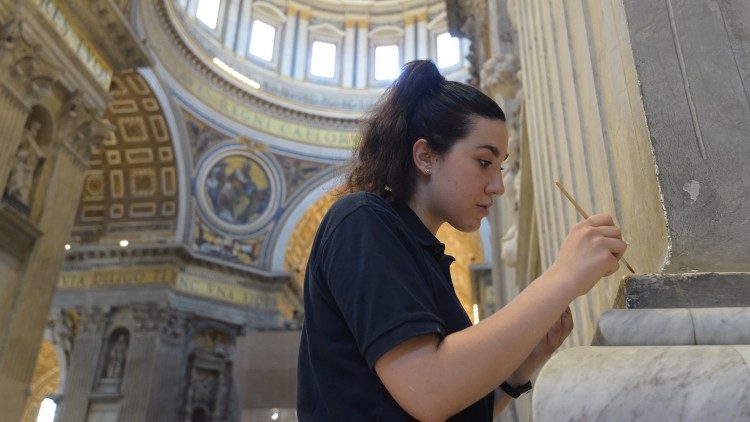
(543, 350)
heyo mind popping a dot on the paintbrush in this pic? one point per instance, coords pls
(584, 214)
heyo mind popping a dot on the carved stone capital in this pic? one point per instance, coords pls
(468, 19)
(162, 319)
(147, 316)
(23, 68)
(82, 129)
(499, 76)
(92, 319)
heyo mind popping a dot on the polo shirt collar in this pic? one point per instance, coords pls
(421, 232)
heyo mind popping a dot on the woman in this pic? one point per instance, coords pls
(385, 337)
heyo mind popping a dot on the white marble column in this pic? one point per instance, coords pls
(192, 7)
(287, 48)
(230, 24)
(363, 43)
(243, 28)
(410, 52)
(348, 67)
(422, 42)
(301, 47)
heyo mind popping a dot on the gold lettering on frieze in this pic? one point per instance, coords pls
(244, 114)
(225, 292)
(116, 277)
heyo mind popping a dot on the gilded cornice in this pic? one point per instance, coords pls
(103, 25)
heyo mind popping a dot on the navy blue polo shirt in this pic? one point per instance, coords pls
(376, 277)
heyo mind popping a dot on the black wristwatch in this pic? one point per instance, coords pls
(515, 392)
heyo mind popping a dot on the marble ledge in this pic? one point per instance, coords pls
(645, 383)
(685, 290)
(674, 326)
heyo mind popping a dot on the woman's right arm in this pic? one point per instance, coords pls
(433, 380)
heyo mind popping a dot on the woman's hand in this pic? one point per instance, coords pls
(590, 251)
(544, 349)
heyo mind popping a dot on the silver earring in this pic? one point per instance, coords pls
(427, 170)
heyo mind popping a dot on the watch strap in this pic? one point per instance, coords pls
(515, 392)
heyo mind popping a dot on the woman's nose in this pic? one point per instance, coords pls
(496, 186)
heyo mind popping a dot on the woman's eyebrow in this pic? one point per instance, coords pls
(494, 151)
(491, 148)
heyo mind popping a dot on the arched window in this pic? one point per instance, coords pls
(46, 411)
(262, 40)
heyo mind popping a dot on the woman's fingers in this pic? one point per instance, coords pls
(614, 245)
(597, 220)
(609, 231)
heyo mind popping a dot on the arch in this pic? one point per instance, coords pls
(269, 10)
(281, 245)
(386, 32)
(326, 29)
(45, 382)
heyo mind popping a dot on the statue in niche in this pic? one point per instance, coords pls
(28, 158)
(116, 358)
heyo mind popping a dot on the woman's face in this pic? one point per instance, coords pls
(463, 182)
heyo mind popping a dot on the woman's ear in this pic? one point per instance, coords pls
(423, 156)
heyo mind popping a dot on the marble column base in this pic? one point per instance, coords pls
(645, 383)
(682, 326)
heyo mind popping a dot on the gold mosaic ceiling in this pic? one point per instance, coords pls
(130, 188)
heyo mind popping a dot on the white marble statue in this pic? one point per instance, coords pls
(28, 158)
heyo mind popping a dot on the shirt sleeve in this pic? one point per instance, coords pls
(372, 270)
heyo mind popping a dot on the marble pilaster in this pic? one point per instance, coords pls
(242, 40)
(231, 24)
(349, 58)
(422, 52)
(301, 47)
(362, 54)
(83, 364)
(410, 41)
(287, 50)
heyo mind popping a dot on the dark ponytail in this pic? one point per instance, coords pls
(421, 103)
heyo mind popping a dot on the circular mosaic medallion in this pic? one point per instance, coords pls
(236, 191)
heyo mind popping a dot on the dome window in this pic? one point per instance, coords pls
(208, 12)
(386, 62)
(323, 61)
(448, 50)
(262, 40)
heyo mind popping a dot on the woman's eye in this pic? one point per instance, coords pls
(503, 168)
(484, 163)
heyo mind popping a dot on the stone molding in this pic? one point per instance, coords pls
(92, 319)
(81, 130)
(671, 327)
(25, 71)
(689, 290)
(152, 317)
(109, 31)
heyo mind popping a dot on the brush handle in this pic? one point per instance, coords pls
(584, 214)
